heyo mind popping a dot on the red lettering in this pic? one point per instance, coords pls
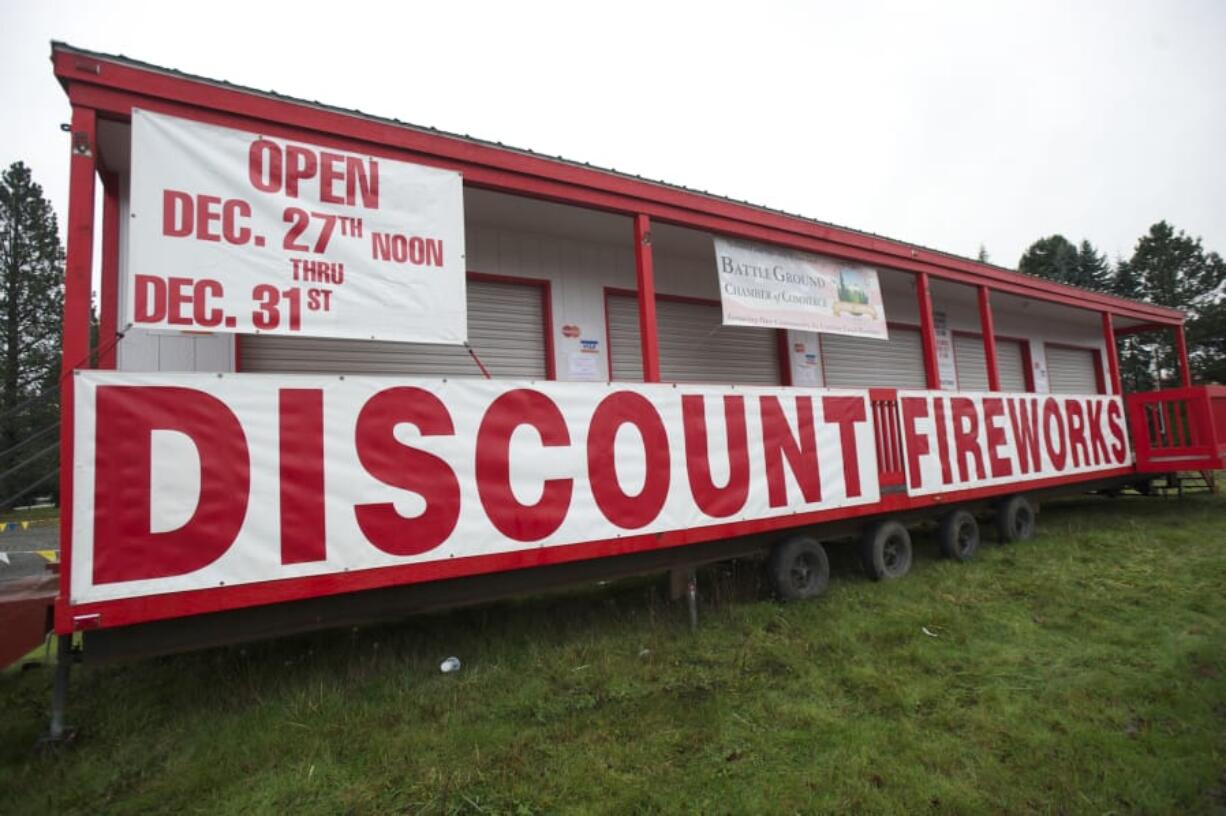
(301, 438)
(234, 209)
(1057, 456)
(914, 408)
(125, 546)
(1077, 432)
(1115, 423)
(177, 214)
(329, 174)
(777, 439)
(264, 165)
(719, 502)
(846, 412)
(1094, 424)
(358, 181)
(434, 252)
(620, 508)
(203, 315)
(966, 437)
(380, 246)
(150, 300)
(993, 412)
(407, 468)
(1025, 433)
(300, 164)
(522, 522)
(208, 212)
(938, 422)
(178, 290)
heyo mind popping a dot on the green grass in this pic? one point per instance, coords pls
(1083, 671)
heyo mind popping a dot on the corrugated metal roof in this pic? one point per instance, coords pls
(135, 63)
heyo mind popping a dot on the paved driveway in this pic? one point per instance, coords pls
(24, 552)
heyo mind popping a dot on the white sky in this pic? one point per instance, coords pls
(949, 124)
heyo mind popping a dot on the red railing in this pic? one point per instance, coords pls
(1179, 428)
(891, 468)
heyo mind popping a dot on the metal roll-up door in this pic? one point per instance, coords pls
(862, 362)
(1011, 366)
(972, 362)
(506, 329)
(695, 346)
(1071, 370)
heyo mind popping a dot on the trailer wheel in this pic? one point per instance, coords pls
(1015, 519)
(959, 535)
(886, 550)
(798, 569)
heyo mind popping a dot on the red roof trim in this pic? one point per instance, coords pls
(517, 171)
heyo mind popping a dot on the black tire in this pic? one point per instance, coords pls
(1015, 520)
(798, 569)
(885, 550)
(959, 535)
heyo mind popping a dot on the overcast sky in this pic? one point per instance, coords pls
(946, 124)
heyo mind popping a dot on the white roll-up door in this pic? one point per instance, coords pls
(972, 362)
(862, 362)
(1071, 370)
(695, 345)
(506, 329)
(1011, 366)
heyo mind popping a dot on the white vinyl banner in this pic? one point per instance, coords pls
(271, 487)
(776, 288)
(201, 481)
(984, 440)
(233, 231)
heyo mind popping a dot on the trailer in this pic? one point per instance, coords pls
(350, 368)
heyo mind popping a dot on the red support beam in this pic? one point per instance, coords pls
(78, 267)
(988, 328)
(108, 307)
(1113, 357)
(1141, 329)
(115, 86)
(1181, 348)
(647, 298)
(928, 332)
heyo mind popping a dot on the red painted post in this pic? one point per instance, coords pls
(1181, 348)
(928, 333)
(1113, 357)
(78, 267)
(108, 307)
(647, 298)
(988, 328)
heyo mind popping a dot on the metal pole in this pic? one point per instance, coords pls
(928, 334)
(988, 327)
(691, 594)
(1113, 357)
(59, 695)
(645, 279)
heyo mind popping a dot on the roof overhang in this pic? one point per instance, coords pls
(114, 85)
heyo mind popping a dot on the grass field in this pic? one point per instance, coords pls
(1081, 672)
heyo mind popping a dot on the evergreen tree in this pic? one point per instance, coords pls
(983, 256)
(1172, 269)
(1053, 258)
(1091, 269)
(1207, 329)
(31, 311)
(1135, 370)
